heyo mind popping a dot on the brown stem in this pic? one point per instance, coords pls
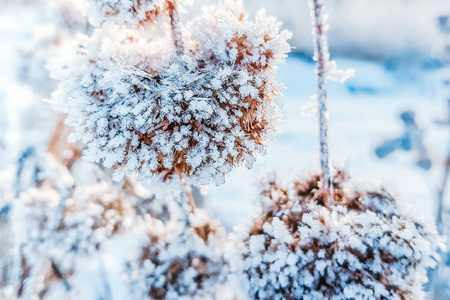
(190, 196)
(58, 144)
(176, 27)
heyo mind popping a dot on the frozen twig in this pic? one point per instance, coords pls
(176, 27)
(322, 57)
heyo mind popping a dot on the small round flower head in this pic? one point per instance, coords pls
(140, 110)
(130, 12)
(179, 262)
(355, 245)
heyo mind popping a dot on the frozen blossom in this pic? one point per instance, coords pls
(138, 108)
(181, 263)
(59, 221)
(356, 244)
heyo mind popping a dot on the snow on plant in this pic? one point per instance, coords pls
(60, 222)
(358, 246)
(193, 105)
(177, 262)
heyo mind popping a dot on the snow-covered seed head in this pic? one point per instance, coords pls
(140, 110)
(92, 216)
(362, 247)
(180, 263)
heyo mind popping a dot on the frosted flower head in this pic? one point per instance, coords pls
(141, 110)
(91, 217)
(362, 247)
(61, 220)
(178, 262)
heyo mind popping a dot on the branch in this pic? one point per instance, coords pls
(176, 27)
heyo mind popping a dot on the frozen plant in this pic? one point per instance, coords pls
(326, 69)
(179, 262)
(61, 222)
(166, 100)
(359, 246)
(411, 140)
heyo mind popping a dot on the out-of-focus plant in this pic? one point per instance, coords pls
(413, 141)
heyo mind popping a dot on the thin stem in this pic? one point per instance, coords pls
(444, 184)
(104, 278)
(321, 56)
(190, 196)
(176, 27)
(441, 193)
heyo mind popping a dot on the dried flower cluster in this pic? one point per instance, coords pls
(141, 109)
(354, 245)
(180, 263)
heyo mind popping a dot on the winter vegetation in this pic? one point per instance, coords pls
(413, 141)
(122, 114)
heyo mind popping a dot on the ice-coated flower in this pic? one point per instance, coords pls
(358, 245)
(180, 263)
(63, 220)
(140, 109)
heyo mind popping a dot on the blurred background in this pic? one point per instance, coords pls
(390, 122)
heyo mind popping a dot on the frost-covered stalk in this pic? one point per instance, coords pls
(445, 179)
(322, 57)
(175, 25)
